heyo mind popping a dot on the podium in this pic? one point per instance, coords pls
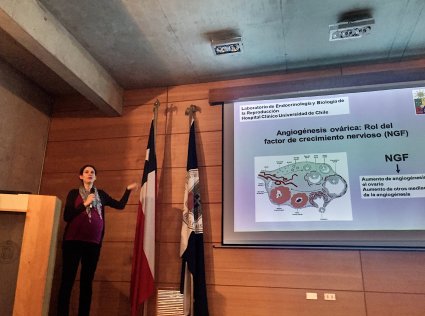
(28, 239)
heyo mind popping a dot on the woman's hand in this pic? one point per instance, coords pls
(89, 200)
(132, 186)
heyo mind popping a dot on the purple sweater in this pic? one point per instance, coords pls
(78, 226)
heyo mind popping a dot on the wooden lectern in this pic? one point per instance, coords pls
(35, 262)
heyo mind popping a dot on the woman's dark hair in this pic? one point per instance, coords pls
(85, 166)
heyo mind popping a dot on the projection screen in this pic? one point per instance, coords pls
(338, 170)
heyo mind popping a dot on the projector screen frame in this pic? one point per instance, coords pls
(336, 239)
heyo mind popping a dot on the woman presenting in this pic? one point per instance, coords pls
(84, 214)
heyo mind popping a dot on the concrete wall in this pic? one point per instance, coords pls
(24, 126)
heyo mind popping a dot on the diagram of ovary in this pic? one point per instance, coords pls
(304, 184)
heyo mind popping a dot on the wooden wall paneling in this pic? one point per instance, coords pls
(319, 269)
(113, 182)
(207, 119)
(168, 263)
(105, 154)
(171, 185)
(256, 301)
(344, 77)
(168, 286)
(288, 77)
(109, 298)
(267, 85)
(275, 268)
(172, 181)
(169, 222)
(201, 91)
(59, 184)
(115, 262)
(384, 67)
(66, 105)
(170, 218)
(135, 121)
(394, 271)
(146, 96)
(211, 216)
(77, 114)
(120, 225)
(394, 304)
(282, 77)
(189, 92)
(208, 149)
(72, 103)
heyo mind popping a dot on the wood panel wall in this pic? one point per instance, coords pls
(240, 281)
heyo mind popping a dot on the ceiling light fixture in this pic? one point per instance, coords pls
(228, 46)
(350, 29)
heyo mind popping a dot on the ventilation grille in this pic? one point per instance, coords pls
(170, 302)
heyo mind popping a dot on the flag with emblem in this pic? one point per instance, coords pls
(143, 265)
(192, 283)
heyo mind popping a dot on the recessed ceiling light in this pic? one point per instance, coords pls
(227, 46)
(350, 29)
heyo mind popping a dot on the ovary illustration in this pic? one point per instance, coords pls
(304, 184)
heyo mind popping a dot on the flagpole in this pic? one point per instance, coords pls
(192, 279)
(155, 117)
(142, 285)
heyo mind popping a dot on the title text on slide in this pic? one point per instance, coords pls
(365, 131)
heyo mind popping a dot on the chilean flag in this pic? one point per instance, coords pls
(143, 267)
(192, 283)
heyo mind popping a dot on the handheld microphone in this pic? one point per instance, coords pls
(92, 191)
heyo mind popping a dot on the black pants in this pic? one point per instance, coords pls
(72, 253)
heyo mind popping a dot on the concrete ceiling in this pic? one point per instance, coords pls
(152, 43)
(26, 63)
